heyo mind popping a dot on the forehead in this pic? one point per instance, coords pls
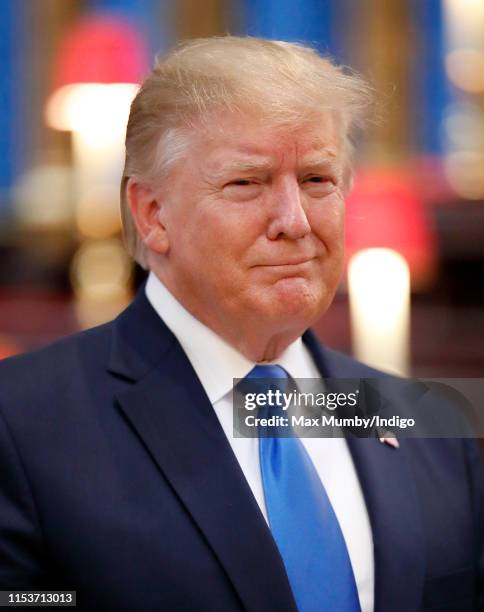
(252, 140)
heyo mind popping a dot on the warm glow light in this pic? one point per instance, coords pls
(465, 22)
(465, 172)
(43, 197)
(100, 270)
(379, 291)
(98, 163)
(97, 114)
(97, 213)
(464, 15)
(469, 10)
(91, 108)
(464, 126)
(465, 68)
(100, 276)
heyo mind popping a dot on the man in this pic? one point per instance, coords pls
(121, 478)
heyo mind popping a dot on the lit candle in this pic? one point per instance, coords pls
(379, 291)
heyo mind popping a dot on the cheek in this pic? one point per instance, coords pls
(232, 229)
(327, 222)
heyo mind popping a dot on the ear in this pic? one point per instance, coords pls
(145, 209)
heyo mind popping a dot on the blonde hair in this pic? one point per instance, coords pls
(287, 83)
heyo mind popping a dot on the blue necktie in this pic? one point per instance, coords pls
(302, 520)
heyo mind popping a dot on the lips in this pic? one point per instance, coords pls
(287, 262)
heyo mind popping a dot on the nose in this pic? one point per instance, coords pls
(288, 217)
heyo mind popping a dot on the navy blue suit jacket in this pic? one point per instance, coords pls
(118, 481)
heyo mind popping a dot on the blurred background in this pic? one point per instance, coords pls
(413, 295)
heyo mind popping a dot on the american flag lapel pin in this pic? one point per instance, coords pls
(388, 437)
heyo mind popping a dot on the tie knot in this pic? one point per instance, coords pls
(268, 372)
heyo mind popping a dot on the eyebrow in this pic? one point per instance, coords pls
(320, 158)
(242, 166)
(326, 159)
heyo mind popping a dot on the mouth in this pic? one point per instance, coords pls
(288, 263)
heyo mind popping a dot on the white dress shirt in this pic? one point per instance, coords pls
(217, 363)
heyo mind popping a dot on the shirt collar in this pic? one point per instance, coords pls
(214, 360)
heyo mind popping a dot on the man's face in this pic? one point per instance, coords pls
(254, 218)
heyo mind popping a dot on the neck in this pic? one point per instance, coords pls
(258, 340)
(256, 346)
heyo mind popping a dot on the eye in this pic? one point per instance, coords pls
(319, 179)
(240, 182)
(242, 189)
(319, 185)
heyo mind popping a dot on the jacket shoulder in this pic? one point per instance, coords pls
(52, 366)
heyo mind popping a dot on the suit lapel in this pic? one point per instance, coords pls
(169, 410)
(391, 499)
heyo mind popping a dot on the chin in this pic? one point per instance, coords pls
(295, 301)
